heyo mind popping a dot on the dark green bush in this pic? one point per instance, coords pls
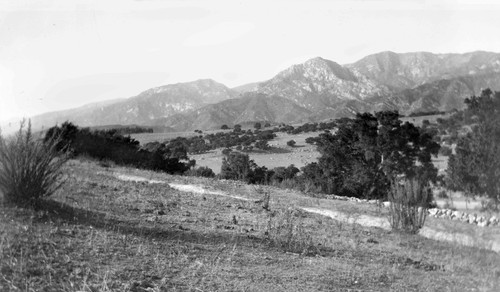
(201, 171)
(122, 150)
(445, 151)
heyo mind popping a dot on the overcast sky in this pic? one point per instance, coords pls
(61, 54)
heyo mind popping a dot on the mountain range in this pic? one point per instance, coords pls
(316, 90)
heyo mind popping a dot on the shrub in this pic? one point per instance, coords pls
(409, 202)
(202, 171)
(236, 166)
(291, 143)
(123, 150)
(442, 194)
(226, 151)
(286, 230)
(262, 144)
(445, 151)
(30, 169)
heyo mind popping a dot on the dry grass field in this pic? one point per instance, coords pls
(279, 155)
(100, 233)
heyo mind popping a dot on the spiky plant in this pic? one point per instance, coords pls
(30, 169)
(409, 201)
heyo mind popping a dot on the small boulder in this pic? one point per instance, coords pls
(456, 215)
(472, 219)
(433, 211)
(483, 223)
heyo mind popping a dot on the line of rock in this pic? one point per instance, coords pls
(449, 214)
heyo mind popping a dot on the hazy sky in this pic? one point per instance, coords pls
(61, 54)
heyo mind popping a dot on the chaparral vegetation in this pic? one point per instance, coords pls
(111, 214)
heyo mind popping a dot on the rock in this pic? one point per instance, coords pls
(472, 219)
(456, 214)
(483, 223)
(433, 211)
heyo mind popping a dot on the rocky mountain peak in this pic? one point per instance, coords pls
(317, 69)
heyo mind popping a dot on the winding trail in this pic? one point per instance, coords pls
(361, 219)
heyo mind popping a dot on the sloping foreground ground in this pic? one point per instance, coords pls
(443, 230)
(102, 233)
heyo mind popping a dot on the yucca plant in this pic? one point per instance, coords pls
(409, 201)
(30, 169)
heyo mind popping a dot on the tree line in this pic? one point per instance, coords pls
(122, 150)
(361, 159)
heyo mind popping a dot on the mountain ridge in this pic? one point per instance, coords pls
(314, 90)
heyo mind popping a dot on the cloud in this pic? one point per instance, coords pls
(220, 33)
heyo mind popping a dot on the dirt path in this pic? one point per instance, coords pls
(179, 187)
(361, 219)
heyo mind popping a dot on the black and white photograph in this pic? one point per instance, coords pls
(237, 145)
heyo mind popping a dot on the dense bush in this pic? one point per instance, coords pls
(409, 201)
(239, 166)
(201, 171)
(262, 144)
(367, 152)
(307, 127)
(122, 150)
(291, 143)
(280, 174)
(127, 130)
(30, 169)
(475, 168)
(445, 151)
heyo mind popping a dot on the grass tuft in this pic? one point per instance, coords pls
(286, 230)
(30, 169)
(408, 208)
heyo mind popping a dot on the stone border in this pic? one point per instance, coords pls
(449, 214)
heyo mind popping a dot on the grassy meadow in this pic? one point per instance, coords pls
(100, 233)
